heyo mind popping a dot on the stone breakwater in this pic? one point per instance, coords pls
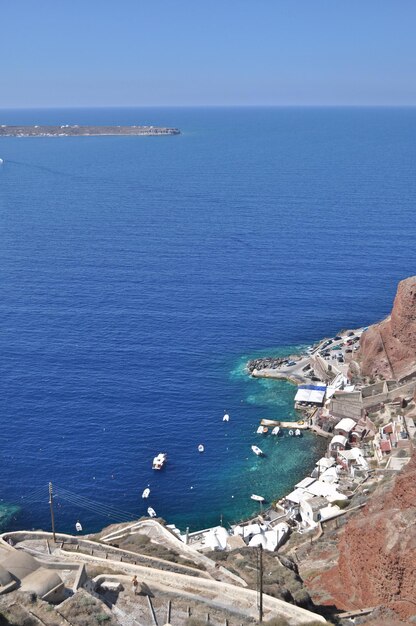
(268, 362)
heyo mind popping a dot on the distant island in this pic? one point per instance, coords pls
(67, 130)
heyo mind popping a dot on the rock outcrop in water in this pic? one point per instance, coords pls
(388, 349)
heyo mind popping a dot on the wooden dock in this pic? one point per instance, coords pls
(302, 424)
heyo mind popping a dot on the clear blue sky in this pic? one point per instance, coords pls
(214, 52)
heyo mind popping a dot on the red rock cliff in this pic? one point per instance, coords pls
(377, 551)
(389, 348)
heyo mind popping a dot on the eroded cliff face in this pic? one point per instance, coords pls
(377, 552)
(389, 348)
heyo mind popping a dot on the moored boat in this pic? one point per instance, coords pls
(257, 451)
(159, 461)
(257, 498)
(201, 448)
(276, 430)
(151, 512)
(298, 433)
(146, 493)
(291, 433)
(226, 418)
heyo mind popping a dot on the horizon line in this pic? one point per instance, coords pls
(211, 106)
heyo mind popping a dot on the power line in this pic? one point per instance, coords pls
(93, 506)
(66, 492)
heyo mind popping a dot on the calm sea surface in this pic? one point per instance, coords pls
(139, 273)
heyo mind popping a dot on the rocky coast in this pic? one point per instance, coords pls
(348, 544)
(67, 130)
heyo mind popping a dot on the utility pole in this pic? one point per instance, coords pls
(51, 507)
(260, 573)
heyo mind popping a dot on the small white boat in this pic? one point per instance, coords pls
(151, 512)
(78, 527)
(201, 448)
(257, 451)
(298, 433)
(257, 498)
(159, 461)
(226, 418)
(276, 430)
(1, 161)
(146, 493)
(259, 431)
(291, 433)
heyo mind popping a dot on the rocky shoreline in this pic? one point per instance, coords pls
(66, 130)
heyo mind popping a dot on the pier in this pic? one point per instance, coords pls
(301, 424)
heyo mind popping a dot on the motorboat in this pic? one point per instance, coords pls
(257, 451)
(257, 498)
(1, 161)
(276, 430)
(226, 418)
(159, 460)
(151, 512)
(146, 493)
(78, 527)
(291, 433)
(298, 433)
(201, 448)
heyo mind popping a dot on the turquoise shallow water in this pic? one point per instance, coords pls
(138, 272)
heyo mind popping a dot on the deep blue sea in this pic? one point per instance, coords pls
(138, 274)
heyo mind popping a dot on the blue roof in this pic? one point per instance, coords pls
(314, 387)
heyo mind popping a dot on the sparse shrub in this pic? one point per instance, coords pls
(301, 597)
(139, 541)
(276, 621)
(102, 617)
(342, 504)
(219, 556)
(280, 621)
(402, 454)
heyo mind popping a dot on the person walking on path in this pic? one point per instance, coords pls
(135, 584)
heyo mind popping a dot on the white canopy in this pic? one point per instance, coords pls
(305, 482)
(325, 462)
(297, 496)
(316, 396)
(340, 439)
(216, 538)
(330, 475)
(325, 490)
(258, 540)
(346, 424)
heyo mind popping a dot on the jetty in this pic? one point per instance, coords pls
(74, 130)
(301, 424)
